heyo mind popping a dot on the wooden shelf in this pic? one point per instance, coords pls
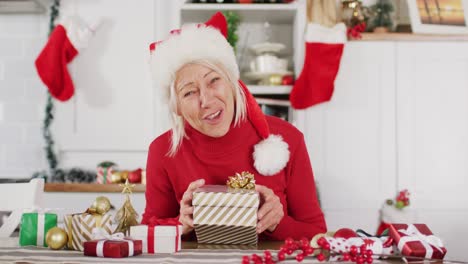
(253, 13)
(265, 89)
(394, 36)
(267, 7)
(269, 101)
(89, 187)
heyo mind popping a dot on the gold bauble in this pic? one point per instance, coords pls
(101, 205)
(56, 238)
(116, 177)
(119, 176)
(275, 79)
(124, 175)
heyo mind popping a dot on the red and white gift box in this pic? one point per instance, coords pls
(378, 245)
(158, 238)
(417, 240)
(113, 246)
(104, 174)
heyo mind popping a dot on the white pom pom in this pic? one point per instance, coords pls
(271, 155)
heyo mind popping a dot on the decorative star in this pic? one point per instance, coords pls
(127, 187)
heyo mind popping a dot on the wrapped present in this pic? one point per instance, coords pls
(225, 215)
(79, 227)
(220, 247)
(104, 173)
(34, 227)
(417, 240)
(111, 246)
(378, 245)
(160, 236)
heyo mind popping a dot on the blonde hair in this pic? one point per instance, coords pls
(240, 111)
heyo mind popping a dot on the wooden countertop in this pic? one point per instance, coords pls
(396, 36)
(90, 187)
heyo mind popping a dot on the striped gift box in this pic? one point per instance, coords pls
(79, 228)
(223, 215)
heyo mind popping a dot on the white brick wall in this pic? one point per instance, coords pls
(22, 95)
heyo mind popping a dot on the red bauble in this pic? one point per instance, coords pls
(362, 249)
(287, 80)
(135, 176)
(353, 251)
(345, 233)
(281, 256)
(299, 257)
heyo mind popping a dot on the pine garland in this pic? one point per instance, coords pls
(49, 117)
(233, 21)
(382, 14)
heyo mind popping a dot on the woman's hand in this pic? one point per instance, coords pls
(271, 209)
(186, 208)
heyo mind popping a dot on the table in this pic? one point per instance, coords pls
(191, 253)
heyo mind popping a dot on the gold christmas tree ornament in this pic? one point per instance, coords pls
(127, 187)
(126, 216)
(100, 206)
(56, 238)
(243, 180)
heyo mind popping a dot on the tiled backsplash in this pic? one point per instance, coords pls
(22, 95)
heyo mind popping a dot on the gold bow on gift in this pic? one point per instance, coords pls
(244, 180)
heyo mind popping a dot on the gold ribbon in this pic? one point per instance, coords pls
(69, 231)
(97, 216)
(244, 180)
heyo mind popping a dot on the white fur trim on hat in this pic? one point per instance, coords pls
(194, 42)
(271, 155)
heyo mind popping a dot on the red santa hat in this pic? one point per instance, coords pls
(208, 41)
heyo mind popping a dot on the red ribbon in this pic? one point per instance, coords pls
(167, 222)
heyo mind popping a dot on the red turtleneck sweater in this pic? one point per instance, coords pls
(214, 159)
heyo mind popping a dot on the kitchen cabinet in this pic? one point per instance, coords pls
(432, 135)
(398, 119)
(260, 23)
(351, 139)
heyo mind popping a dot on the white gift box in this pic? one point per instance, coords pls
(165, 238)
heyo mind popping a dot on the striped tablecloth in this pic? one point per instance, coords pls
(44, 255)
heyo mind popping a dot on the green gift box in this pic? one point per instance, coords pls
(34, 227)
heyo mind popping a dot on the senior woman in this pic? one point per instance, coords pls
(218, 130)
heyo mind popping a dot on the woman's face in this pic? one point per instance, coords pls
(204, 99)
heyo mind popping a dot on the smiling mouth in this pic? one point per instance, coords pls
(213, 116)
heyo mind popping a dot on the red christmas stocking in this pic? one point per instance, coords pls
(323, 50)
(69, 37)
